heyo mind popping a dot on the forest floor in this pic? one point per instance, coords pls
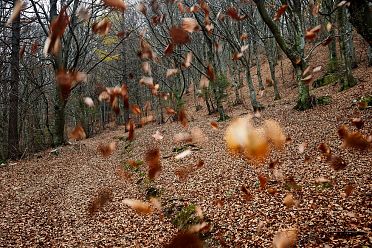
(44, 199)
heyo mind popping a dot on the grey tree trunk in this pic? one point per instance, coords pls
(361, 18)
(13, 131)
(350, 44)
(369, 54)
(252, 93)
(348, 79)
(258, 66)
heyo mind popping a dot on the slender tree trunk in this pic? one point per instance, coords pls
(369, 54)
(258, 67)
(252, 93)
(13, 134)
(304, 102)
(361, 18)
(348, 79)
(350, 44)
(59, 119)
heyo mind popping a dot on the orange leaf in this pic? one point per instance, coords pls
(135, 109)
(139, 206)
(280, 12)
(102, 27)
(106, 149)
(179, 36)
(263, 181)
(78, 133)
(152, 158)
(190, 25)
(130, 127)
(214, 125)
(117, 4)
(16, 11)
(182, 117)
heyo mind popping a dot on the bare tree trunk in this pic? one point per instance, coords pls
(258, 67)
(369, 54)
(361, 18)
(348, 79)
(252, 93)
(350, 44)
(13, 134)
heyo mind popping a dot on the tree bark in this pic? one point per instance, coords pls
(361, 18)
(348, 79)
(13, 134)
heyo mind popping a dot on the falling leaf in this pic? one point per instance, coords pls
(89, 102)
(190, 25)
(183, 154)
(83, 13)
(170, 111)
(135, 109)
(341, 3)
(152, 158)
(116, 4)
(34, 47)
(246, 194)
(214, 125)
(78, 133)
(275, 133)
(197, 135)
(357, 122)
(106, 149)
(244, 36)
(182, 117)
(210, 73)
(289, 200)
(169, 49)
(184, 172)
(302, 147)
(179, 36)
(321, 180)
(349, 190)
(312, 33)
(182, 137)
(104, 196)
(354, 140)
(130, 127)
(157, 135)
(141, 7)
(197, 227)
(188, 60)
(337, 163)
(263, 181)
(139, 206)
(233, 14)
(324, 148)
(171, 72)
(329, 26)
(204, 82)
(147, 119)
(185, 239)
(285, 238)
(280, 12)
(317, 69)
(146, 68)
(272, 191)
(16, 11)
(102, 27)
(328, 40)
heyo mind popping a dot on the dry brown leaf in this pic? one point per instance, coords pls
(152, 158)
(106, 149)
(89, 102)
(285, 238)
(130, 127)
(116, 4)
(182, 117)
(135, 109)
(188, 60)
(139, 206)
(263, 181)
(275, 133)
(214, 125)
(102, 27)
(16, 12)
(78, 133)
(289, 200)
(179, 36)
(190, 25)
(171, 72)
(157, 135)
(280, 12)
(104, 196)
(354, 140)
(185, 239)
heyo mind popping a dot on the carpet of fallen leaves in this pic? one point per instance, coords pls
(45, 200)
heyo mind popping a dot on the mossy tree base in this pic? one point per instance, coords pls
(347, 82)
(304, 104)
